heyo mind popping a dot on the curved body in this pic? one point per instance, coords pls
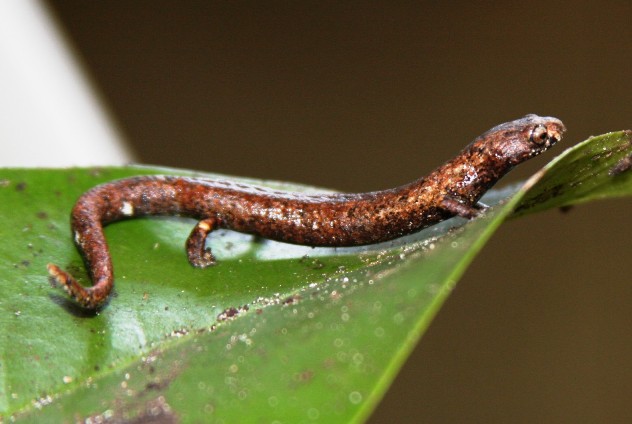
(452, 189)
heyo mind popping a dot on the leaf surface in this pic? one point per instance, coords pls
(272, 332)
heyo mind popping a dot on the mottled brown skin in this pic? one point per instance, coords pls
(315, 220)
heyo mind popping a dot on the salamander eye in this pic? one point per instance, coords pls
(539, 134)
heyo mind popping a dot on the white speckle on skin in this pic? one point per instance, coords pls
(77, 237)
(127, 209)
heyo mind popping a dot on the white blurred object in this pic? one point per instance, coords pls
(49, 115)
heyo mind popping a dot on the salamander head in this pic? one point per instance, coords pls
(524, 138)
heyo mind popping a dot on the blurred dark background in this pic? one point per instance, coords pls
(363, 96)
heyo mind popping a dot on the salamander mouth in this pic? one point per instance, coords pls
(552, 140)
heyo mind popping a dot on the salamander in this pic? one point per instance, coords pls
(452, 189)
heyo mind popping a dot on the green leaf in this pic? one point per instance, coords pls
(583, 173)
(273, 332)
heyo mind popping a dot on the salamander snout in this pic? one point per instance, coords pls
(547, 132)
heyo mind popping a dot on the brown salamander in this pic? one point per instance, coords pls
(452, 189)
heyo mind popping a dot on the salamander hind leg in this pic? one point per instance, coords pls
(199, 255)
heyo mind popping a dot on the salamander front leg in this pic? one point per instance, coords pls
(462, 209)
(199, 255)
